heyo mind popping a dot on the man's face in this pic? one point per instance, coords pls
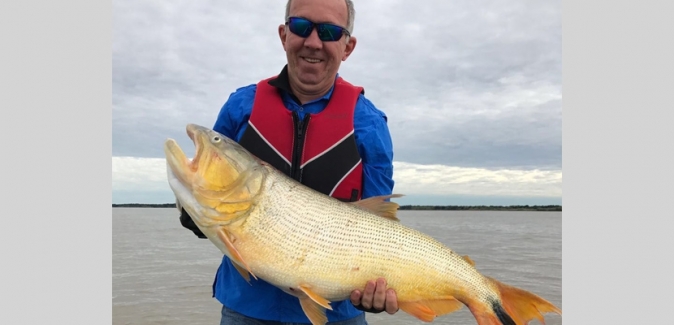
(312, 63)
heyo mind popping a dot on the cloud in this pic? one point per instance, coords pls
(143, 174)
(472, 84)
(131, 174)
(450, 181)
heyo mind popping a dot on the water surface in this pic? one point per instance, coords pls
(162, 273)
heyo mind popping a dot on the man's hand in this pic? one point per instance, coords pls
(188, 223)
(376, 298)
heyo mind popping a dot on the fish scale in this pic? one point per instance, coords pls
(321, 249)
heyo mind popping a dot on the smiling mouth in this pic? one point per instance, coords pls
(312, 60)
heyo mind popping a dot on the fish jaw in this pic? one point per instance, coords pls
(177, 163)
(221, 182)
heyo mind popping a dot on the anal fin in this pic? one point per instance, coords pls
(427, 310)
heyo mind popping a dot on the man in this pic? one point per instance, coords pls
(311, 124)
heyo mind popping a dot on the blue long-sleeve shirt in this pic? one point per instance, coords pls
(260, 299)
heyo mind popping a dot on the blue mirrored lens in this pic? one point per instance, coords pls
(329, 32)
(300, 27)
(326, 32)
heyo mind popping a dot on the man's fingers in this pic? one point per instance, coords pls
(391, 302)
(368, 295)
(379, 295)
(355, 297)
(376, 297)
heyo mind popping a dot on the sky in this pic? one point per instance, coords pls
(472, 90)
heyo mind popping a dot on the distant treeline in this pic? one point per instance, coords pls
(484, 207)
(402, 207)
(144, 205)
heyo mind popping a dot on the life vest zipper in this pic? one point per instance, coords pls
(300, 132)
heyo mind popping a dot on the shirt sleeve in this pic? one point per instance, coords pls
(234, 114)
(375, 148)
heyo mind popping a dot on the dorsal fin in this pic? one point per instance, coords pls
(379, 206)
(467, 259)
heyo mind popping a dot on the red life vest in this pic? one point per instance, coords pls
(319, 151)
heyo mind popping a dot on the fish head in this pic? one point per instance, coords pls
(220, 183)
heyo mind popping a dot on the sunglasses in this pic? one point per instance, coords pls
(326, 32)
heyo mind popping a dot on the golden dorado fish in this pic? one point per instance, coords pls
(320, 249)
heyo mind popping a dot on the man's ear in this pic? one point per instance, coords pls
(282, 35)
(350, 46)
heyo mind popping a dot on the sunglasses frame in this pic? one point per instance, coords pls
(320, 29)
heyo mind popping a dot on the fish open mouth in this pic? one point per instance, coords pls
(178, 162)
(198, 145)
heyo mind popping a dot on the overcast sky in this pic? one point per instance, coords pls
(472, 89)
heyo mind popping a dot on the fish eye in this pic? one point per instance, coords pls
(216, 139)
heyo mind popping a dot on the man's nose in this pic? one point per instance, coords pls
(312, 41)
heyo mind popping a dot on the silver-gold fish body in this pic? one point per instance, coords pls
(321, 249)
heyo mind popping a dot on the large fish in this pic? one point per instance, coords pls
(319, 249)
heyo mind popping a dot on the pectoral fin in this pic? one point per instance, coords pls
(235, 255)
(379, 206)
(244, 273)
(427, 310)
(314, 311)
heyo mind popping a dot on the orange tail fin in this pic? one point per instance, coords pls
(517, 307)
(523, 305)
